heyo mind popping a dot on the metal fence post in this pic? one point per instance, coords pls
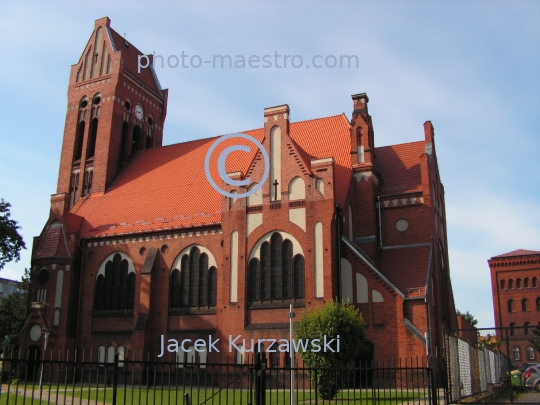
(115, 379)
(187, 401)
(509, 363)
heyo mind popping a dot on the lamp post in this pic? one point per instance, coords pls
(45, 337)
(291, 349)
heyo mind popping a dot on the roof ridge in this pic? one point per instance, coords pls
(399, 144)
(516, 253)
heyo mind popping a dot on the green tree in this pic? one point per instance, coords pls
(468, 317)
(328, 322)
(11, 242)
(13, 311)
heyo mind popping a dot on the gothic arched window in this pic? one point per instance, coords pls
(278, 275)
(194, 284)
(115, 287)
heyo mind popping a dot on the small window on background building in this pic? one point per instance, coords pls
(526, 328)
(101, 354)
(526, 283)
(515, 353)
(512, 326)
(510, 305)
(503, 284)
(190, 355)
(518, 283)
(240, 355)
(120, 352)
(524, 304)
(510, 284)
(530, 353)
(538, 304)
(110, 354)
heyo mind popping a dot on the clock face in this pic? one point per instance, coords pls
(138, 112)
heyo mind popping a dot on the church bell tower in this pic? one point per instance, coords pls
(115, 108)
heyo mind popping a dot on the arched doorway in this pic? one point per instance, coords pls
(33, 360)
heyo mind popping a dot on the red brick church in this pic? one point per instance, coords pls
(138, 244)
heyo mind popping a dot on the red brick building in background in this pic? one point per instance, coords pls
(515, 283)
(139, 245)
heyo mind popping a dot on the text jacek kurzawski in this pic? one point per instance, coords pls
(238, 344)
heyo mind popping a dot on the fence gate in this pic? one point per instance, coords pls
(491, 365)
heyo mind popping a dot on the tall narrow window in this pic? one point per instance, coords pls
(512, 327)
(534, 282)
(503, 285)
(518, 283)
(276, 265)
(510, 305)
(278, 275)
(524, 305)
(92, 134)
(87, 182)
(124, 145)
(515, 353)
(510, 284)
(254, 278)
(265, 272)
(526, 283)
(115, 286)
(298, 279)
(538, 304)
(136, 140)
(194, 285)
(530, 353)
(149, 132)
(526, 327)
(79, 138)
(74, 187)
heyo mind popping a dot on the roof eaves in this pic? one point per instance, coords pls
(369, 263)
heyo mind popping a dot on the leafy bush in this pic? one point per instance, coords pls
(330, 320)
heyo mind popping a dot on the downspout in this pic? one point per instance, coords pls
(428, 333)
(339, 225)
(80, 295)
(379, 220)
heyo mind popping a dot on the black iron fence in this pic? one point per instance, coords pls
(61, 378)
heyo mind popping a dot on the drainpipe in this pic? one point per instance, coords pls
(81, 242)
(339, 230)
(379, 222)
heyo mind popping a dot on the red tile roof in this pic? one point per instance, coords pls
(131, 54)
(53, 243)
(518, 252)
(406, 267)
(400, 167)
(166, 188)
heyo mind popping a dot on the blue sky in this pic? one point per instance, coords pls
(471, 67)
